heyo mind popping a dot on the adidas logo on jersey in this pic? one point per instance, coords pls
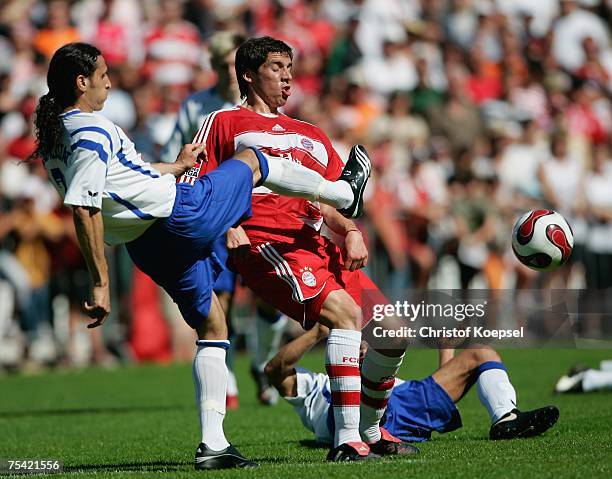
(277, 127)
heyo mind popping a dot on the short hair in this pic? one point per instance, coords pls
(253, 53)
(222, 43)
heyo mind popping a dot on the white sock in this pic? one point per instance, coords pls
(232, 384)
(269, 336)
(594, 380)
(606, 365)
(342, 364)
(496, 392)
(210, 378)
(376, 387)
(292, 179)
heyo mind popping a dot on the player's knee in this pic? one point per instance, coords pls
(340, 312)
(249, 157)
(484, 354)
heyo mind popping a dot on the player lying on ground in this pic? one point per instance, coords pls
(415, 408)
(168, 228)
(286, 261)
(581, 379)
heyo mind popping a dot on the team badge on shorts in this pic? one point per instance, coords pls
(308, 278)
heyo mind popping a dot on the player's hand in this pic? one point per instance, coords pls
(189, 155)
(356, 253)
(99, 307)
(238, 243)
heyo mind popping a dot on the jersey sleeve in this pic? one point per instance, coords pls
(85, 174)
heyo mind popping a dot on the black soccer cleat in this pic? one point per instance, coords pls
(356, 173)
(351, 452)
(516, 424)
(389, 445)
(228, 458)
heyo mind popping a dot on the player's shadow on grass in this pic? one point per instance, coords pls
(313, 444)
(91, 410)
(157, 466)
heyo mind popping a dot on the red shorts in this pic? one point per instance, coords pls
(296, 274)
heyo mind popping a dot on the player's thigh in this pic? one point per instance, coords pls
(289, 279)
(217, 201)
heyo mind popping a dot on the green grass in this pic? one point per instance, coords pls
(142, 422)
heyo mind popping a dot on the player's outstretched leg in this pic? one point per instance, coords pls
(582, 379)
(292, 179)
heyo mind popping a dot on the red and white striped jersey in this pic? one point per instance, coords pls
(231, 131)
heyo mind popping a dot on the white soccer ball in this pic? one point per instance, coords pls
(542, 240)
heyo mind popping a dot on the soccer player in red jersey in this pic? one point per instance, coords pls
(287, 262)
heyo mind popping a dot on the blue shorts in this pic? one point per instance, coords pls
(177, 252)
(226, 281)
(417, 408)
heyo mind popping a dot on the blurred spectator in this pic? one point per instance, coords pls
(570, 30)
(58, 29)
(458, 119)
(172, 46)
(598, 203)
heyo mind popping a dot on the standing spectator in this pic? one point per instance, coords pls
(33, 230)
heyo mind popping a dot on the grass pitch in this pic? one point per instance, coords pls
(142, 422)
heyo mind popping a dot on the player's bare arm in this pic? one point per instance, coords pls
(90, 233)
(281, 368)
(186, 159)
(356, 253)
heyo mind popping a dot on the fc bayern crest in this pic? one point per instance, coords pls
(308, 278)
(307, 144)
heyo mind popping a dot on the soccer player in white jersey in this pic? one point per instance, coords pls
(288, 263)
(191, 115)
(168, 228)
(416, 408)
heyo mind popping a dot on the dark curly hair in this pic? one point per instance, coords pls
(253, 53)
(67, 64)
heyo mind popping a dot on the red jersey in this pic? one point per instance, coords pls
(231, 131)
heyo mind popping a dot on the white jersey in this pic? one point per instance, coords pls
(97, 166)
(313, 403)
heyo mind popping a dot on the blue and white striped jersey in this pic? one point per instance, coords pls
(194, 110)
(98, 166)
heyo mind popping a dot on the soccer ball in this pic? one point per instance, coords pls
(542, 240)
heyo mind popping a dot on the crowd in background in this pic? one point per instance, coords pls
(473, 111)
